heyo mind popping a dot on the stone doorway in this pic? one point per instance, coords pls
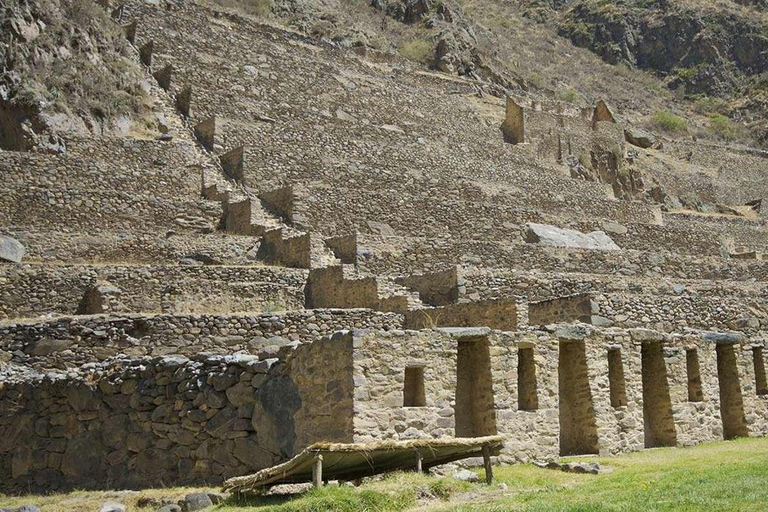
(659, 424)
(578, 427)
(475, 413)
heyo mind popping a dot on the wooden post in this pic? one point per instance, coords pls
(317, 472)
(487, 464)
(418, 462)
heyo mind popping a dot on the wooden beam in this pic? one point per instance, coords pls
(487, 464)
(317, 472)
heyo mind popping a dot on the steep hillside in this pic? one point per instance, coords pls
(229, 229)
(67, 69)
(714, 53)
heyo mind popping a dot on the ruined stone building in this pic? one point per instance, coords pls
(334, 246)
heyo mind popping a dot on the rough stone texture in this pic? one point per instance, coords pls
(405, 177)
(616, 428)
(11, 249)
(438, 288)
(196, 501)
(563, 309)
(214, 416)
(136, 421)
(639, 138)
(150, 289)
(497, 314)
(77, 340)
(558, 237)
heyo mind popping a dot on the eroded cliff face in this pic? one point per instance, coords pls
(706, 50)
(68, 69)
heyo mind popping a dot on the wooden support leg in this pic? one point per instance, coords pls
(317, 472)
(418, 462)
(487, 464)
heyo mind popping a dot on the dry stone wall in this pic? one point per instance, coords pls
(80, 340)
(593, 420)
(412, 255)
(501, 314)
(133, 422)
(122, 226)
(35, 290)
(118, 246)
(561, 310)
(147, 421)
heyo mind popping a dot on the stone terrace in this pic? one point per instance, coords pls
(373, 195)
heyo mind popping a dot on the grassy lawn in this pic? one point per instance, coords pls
(713, 476)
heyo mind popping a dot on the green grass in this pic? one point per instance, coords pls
(418, 50)
(725, 476)
(713, 476)
(569, 95)
(397, 491)
(669, 122)
(723, 127)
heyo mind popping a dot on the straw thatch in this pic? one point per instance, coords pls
(349, 461)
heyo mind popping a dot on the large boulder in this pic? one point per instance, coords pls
(196, 501)
(639, 138)
(544, 234)
(11, 249)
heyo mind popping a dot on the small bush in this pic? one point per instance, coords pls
(704, 104)
(669, 122)
(417, 50)
(686, 74)
(570, 95)
(261, 8)
(585, 159)
(723, 127)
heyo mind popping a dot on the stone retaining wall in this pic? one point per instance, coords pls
(78, 340)
(133, 423)
(141, 421)
(33, 290)
(150, 422)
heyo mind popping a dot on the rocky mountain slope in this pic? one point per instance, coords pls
(67, 68)
(713, 53)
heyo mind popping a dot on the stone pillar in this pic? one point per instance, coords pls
(184, 101)
(130, 31)
(163, 77)
(145, 53)
(205, 131)
(232, 163)
(602, 113)
(513, 126)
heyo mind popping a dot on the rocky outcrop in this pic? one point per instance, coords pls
(704, 50)
(544, 234)
(638, 137)
(67, 69)
(11, 249)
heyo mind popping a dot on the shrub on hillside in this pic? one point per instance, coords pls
(417, 50)
(669, 122)
(723, 127)
(569, 95)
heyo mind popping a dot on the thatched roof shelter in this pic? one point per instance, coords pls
(350, 461)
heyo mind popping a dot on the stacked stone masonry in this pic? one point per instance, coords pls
(132, 421)
(318, 247)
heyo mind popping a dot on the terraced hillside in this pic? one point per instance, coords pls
(189, 262)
